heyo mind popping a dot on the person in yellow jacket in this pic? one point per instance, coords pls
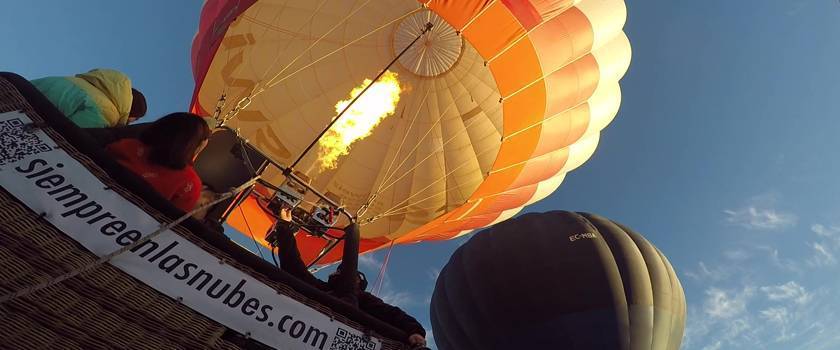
(100, 98)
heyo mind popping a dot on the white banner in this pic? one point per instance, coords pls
(49, 181)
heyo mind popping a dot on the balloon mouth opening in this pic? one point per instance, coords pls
(435, 53)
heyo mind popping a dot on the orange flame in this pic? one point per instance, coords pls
(358, 122)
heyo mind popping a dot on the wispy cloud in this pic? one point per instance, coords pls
(822, 256)
(789, 291)
(369, 261)
(744, 305)
(737, 254)
(704, 273)
(778, 315)
(760, 214)
(781, 318)
(401, 299)
(829, 235)
(721, 304)
(785, 315)
(823, 231)
(760, 219)
(750, 317)
(784, 264)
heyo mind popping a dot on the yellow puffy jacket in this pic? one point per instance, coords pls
(96, 99)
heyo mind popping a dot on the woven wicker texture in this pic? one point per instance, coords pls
(104, 308)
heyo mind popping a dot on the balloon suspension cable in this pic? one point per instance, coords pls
(242, 104)
(108, 257)
(381, 277)
(426, 29)
(220, 104)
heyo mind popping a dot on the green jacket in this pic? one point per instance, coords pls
(96, 99)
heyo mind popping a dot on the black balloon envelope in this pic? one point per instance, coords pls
(558, 280)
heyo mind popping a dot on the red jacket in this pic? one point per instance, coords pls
(180, 186)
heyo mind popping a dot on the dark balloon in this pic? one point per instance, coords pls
(558, 280)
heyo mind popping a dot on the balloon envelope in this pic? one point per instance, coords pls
(499, 101)
(558, 280)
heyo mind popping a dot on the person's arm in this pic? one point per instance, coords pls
(88, 116)
(395, 317)
(187, 196)
(290, 260)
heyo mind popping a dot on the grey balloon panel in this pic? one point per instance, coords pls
(661, 286)
(635, 280)
(525, 284)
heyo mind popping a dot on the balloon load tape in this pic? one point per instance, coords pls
(318, 219)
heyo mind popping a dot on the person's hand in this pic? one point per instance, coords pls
(416, 340)
(286, 214)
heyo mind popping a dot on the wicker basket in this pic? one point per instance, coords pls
(104, 308)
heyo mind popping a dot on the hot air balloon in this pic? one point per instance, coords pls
(558, 280)
(493, 105)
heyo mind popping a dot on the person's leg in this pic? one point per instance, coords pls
(347, 286)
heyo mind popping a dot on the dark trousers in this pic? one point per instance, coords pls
(347, 280)
(345, 283)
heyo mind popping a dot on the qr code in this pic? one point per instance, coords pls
(345, 340)
(18, 142)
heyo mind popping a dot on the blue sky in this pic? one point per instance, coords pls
(724, 152)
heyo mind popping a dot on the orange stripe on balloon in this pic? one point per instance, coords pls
(525, 12)
(562, 39)
(548, 9)
(562, 130)
(516, 149)
(456, 12)
(540, 168)
(517, 68)
(448, 229)
(572, 85)
(498, 181)
(524, 109)
(553, 133)
(500, 202)
(258, 221)
(493, 30)
(309, 246)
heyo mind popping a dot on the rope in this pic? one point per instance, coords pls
(399, 206)
(268, 26)
(250, 231)
(374, 194)
(108, 257)
(404, 138)
(272, 83)
(361, 93)
(441, 115)
(345, 19)
(431, 154)
(478, 14)
(245, 101)
(381, 277)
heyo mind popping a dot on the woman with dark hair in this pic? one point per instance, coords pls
(163, 156)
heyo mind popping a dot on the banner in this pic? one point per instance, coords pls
(49, 181)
